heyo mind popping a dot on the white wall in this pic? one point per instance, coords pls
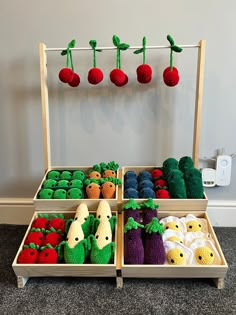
(134, 125)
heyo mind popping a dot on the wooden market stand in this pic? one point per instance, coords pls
(168, 207)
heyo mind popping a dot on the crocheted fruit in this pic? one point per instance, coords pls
(35, 236)
(145, 183)
(53, 175)
(109, 169)
(52, 237)
(131, 193)
(144, 71)
(175, 256)
(41, 222)
(59, 194)
(144, 175)
(131, 183)
(154, 251)
(162, 194)
(49, 183)
(193, 226)
(28, 255)
(149, 211)
(160, 183)
(66, 75)
(147, 192)
(58, 223)
(48, 255)
(78, 175)
(45, 193)
(95, 76)
(130, 174)
(132, 209)
(118, 77)
(156, 173)
(133, 244)
(75, 81)
(204, 255)
(93, 189)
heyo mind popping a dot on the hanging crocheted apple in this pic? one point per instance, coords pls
(95, 74)
(170, 74)
(67, 75)
(117, 76)
(144, 71)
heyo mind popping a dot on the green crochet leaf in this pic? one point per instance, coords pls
(116, 40)
(171, 40)
(150, 204)
(123, 46)
(176, 48)
(132, 225)
(138, 51)
(93, 43)
(154, 227)
(131, 204)
(72, 43)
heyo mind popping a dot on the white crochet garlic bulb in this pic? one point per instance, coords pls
(103, 211)
(81, 213)
(103, 235)
(75, 234)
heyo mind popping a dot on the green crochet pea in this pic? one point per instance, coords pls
(49, 183)
(53, 175)
(79, 175)
(59, 194)
(45, 193)
(63, 183)
(75, 193)
(76, 183)
(66, 175)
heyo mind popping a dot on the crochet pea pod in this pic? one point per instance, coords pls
(133, 244)
(154, 252)
(103, 213)
(101, 247)
(132, 209)
(74, 248)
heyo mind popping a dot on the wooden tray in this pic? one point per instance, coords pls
(69, 204)
(166, 204)
(216, 272)
(25, 271)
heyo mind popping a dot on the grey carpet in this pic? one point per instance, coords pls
(100, 296)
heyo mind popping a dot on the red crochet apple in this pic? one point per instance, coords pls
(117, 76)
(58, 223)
(52, 237)
(41, 222)
(95, 74)
(170, 74)
(28, 255)
(48, 255)
(35, 236)
(162, 194)
(144, 71)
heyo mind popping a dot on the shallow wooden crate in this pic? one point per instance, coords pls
(165, 204)
(26, 271)
(69, 204)
(215, 272)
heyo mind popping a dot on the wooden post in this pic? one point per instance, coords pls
(45, 107)
(198, 101)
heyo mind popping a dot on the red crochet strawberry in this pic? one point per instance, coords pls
(41, 222)
(35, 236)
(156, 173)
(170, 74)
(144, 71)
(95, 74)
(48, 255)
(58, 223)
(28, 255)
(162, 194)
(117, 76)
(52, 237)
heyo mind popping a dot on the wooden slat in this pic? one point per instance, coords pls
(198, 101)
(45, 106)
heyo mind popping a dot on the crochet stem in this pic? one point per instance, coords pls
(71, 61)
(67, 57)
(94, 58)
(171, 59)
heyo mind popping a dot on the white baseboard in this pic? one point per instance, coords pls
(20, 211)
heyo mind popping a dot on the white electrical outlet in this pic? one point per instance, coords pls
(208, 177)
(223, 170)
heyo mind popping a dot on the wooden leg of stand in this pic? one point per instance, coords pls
(21, 281)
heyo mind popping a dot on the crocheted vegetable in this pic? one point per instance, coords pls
(193, 183)
(47, 255)
(108, 187)
(53, 175)
(63, 184)
(93, 189)
(103, 213)
(45, 193)
(95, 74)
(168, 165)
(79, 175)
(185, 162)
(84, 218)
(49, 183)
(176, 184)
(76, 183)
(144, 71)
(170, 74)
(110, 169)
(154, 251)
(66, 175)
(162, 194)
(149, 209)
(35, 236)
(41, 222)
(52, 237)
(117, 76)
(132, 209)
(101, 247)
(160, 184)
(28, 255)
(95, 172)
(75, 247)
(67, 75)
(133, 245)
(156, 173)
(57, 222)
(75, 193)
(59, 194)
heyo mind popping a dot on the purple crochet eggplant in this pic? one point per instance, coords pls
(149, 211)
(133, 244)
(154, 251)
(132, 209)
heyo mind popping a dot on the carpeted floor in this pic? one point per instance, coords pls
(100, 296)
